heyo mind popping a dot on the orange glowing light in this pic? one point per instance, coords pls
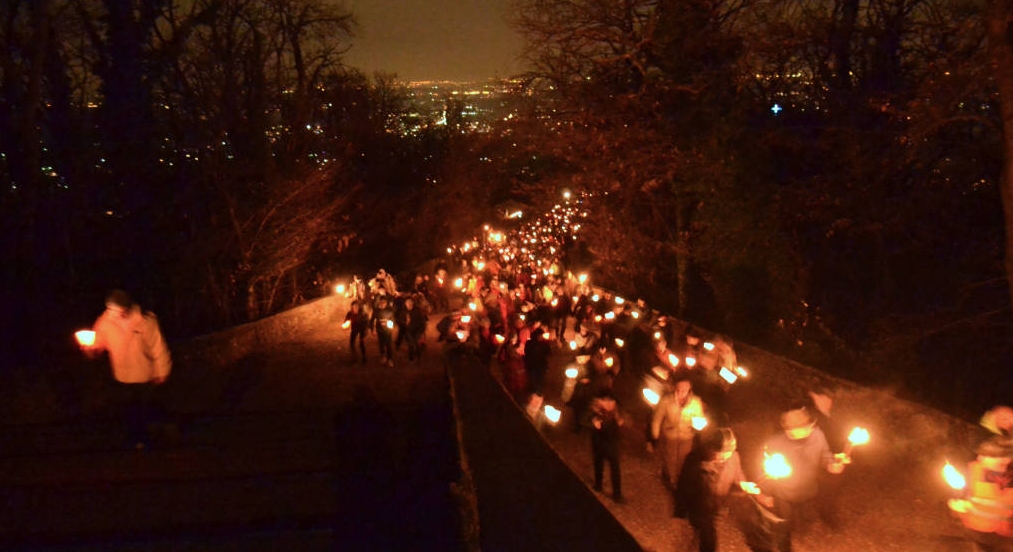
(690, 361)
(499, 339)
(573, 345)
(673, 360)
(339, 289)
(390, 324)
(572, 372)
(749, 487)
(347, 324)
(85, 337)
(953, 477)
(609, 361)
(776, 466)
(466, 318)
(698, 422)
(620, 343)
(708, 345)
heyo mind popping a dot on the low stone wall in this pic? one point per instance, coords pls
(527, 497)
(226, 347)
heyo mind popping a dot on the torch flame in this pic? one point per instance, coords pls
(775, 466)
(85, 337)
(749, 487)
(953, 477)
(499, 339)
(708, 345)
(347, 324)
(609, 361)
(651, 396)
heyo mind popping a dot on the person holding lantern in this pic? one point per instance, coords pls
(139, 358)
(790, 493)
(357, 323)
(987, 510)
(606, 421)
(672, 427)
(712, 471)
(382, 323)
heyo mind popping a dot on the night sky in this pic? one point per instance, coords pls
(434, 39)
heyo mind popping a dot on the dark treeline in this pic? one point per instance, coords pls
(817, 177)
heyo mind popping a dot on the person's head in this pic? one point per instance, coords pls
(119, 299)
(995, 453)
(409, 303)
(797, 423)
(682, 388)
(354, 306)
(381, 301)
(720, 443)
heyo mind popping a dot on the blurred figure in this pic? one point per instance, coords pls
(606, 421)
(672, 428)
(987, 510)
(805, 449)
(998, 421)
(414, 328)
(139, 358)
(712, 471)
(382, 323)
(358, 325)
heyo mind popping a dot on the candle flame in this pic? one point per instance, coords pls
(85, 337)
(609, 361)
(776, 466)
(858, 436)
(953, 477)
(651, 396)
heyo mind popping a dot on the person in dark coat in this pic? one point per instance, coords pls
(536, 360)
(712, 471)
(606, 421)
(357, 322)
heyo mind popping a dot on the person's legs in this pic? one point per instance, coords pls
(615, 475)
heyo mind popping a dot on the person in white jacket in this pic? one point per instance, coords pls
(672, 428)
(138, 356)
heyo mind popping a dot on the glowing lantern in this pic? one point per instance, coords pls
(858, 436)
(651, 396)
(85, 337)
(775, 466)
(698, 422)
(749, 487)
(552, 413)
(953, 477)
